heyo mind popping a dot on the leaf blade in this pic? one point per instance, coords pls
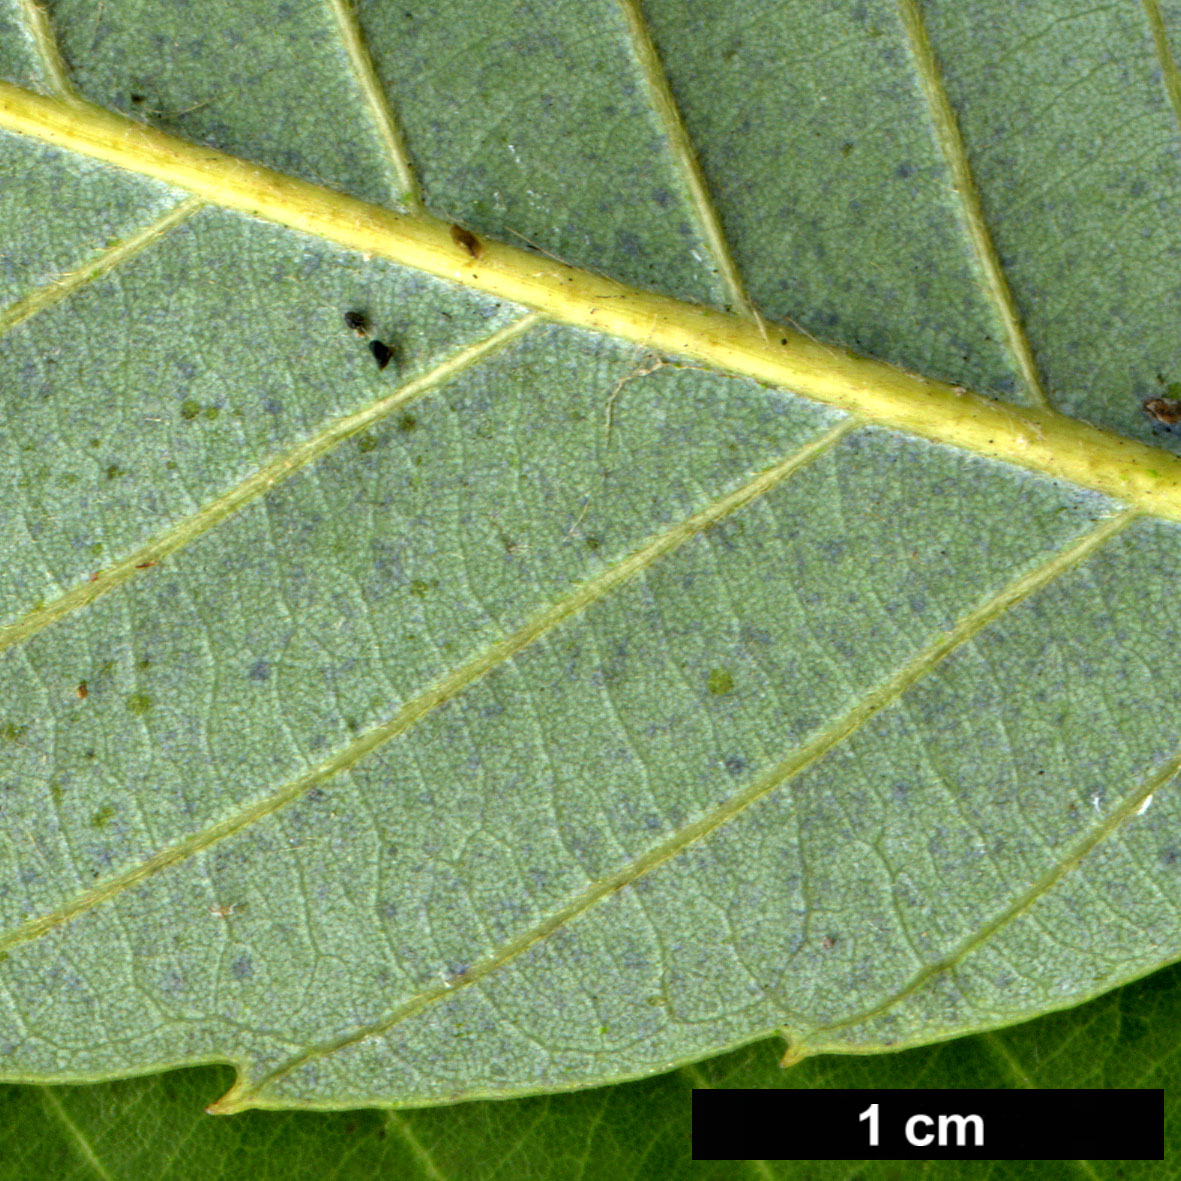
(239, 669)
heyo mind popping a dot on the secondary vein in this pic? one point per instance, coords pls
(792, 765)
(1168, 64)
(951, 141)
(41, 31)
(441, 691)
(257, 484)
(1024, 902)
(351, 37)
(95, 268)
(665, 106)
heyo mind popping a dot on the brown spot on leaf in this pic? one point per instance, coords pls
(466, 241)
(1163, 410)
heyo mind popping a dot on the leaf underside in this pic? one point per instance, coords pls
(540, 710)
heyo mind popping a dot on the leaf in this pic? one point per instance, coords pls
(634, 1130)
(617, 675)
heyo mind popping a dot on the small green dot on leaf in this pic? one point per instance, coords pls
(139, 704)
(720, 681)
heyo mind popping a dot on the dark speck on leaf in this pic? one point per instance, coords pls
(735, 765)
(242, 968)
(137, 98)
(260, 671)
(407, 423)
(382, 353)
(357, 322)
(628, 243)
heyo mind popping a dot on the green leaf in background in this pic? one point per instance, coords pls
(617, 675)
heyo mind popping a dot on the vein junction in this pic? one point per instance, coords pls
(1038, 439)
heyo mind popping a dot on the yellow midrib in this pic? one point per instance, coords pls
(1038, 439)
(1141, 476)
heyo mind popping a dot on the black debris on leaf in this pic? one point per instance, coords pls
(382, 353)
(357, 322)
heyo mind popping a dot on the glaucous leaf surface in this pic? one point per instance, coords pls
(573, 697)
